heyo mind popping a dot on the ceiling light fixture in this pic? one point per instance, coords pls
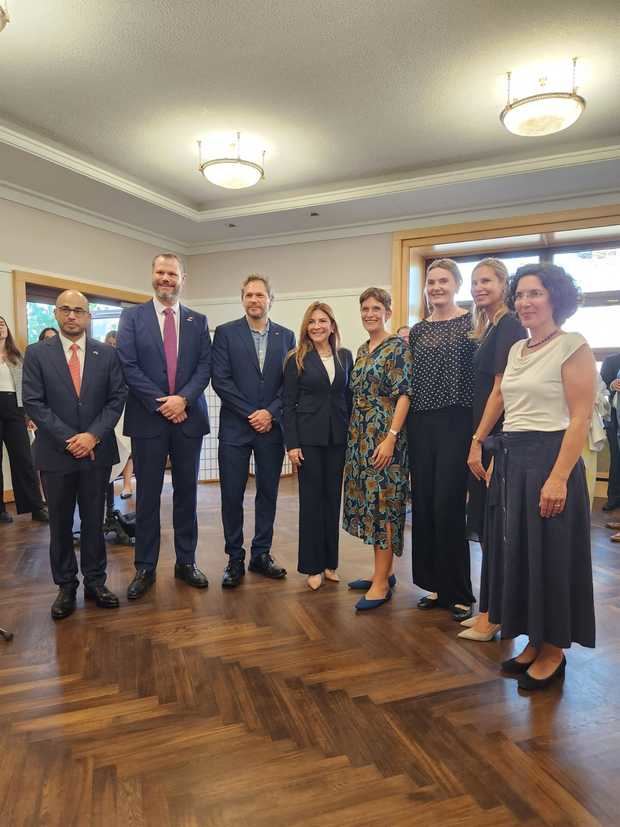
(544, 112)
(4, 14)
(234, 172)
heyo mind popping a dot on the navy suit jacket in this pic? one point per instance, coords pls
(51, 402)
(141, 351)
(316, 409)
(240, 383)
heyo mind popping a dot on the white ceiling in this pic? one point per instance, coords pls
(370, 110)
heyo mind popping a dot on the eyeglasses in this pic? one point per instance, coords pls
(523, 295)
(78, 312)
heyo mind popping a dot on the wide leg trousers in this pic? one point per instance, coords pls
(438, 447)
(14, 434)
(320, 493)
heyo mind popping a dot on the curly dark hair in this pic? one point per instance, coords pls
(564, 295)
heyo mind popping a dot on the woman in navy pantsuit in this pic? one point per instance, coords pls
(317, 407)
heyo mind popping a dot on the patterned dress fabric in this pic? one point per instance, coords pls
(374, 500)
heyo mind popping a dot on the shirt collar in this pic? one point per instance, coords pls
(66, 343)
(159, 307)
(259, 332)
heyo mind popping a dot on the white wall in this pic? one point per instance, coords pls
(37, 241)
(313, 267)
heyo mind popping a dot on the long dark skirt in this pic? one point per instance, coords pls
(539, 570)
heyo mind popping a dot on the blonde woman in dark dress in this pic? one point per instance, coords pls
(495, 331)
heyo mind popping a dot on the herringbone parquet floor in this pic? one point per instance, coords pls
(273, 705)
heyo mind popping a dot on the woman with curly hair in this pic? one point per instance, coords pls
(540, 572)
(376, 475)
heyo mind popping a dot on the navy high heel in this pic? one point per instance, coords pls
(364, 585)
(364, 605)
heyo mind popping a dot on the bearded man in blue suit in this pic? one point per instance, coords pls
(165, 352)
(248, 359)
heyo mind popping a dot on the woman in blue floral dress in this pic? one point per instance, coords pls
(376, 473)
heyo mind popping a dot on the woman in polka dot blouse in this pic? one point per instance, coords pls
(439, 435)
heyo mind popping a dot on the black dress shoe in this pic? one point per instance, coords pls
(233, 573)
(265, 564)
(102, 596)
(460, 614)
(515, 667)
(190, 573)
(526, 681)
(429, 603)
(611, 505)
(142, 582)
(41, 515)
(5, 517)
(64, 605)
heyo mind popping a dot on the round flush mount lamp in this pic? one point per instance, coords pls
(232, 172)
(542, 113)
(4, 15)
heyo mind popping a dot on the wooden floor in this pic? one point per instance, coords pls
(273, 705)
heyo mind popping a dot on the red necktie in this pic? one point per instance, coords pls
(170, 347)
(74, 368)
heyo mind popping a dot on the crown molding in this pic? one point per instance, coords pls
(63, 209)
(494, 209)
(64, 158)
(418, 182)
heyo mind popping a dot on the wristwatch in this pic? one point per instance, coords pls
(476, 438)
(393, 432)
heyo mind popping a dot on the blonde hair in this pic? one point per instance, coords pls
(257, 277)
(305, 343)
(481, 320)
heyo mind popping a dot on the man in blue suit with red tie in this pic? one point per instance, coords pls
(248, 359)
(165, 351)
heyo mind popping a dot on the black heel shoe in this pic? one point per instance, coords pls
(526, 681)
(515, 667)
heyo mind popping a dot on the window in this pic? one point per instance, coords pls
(597, 272)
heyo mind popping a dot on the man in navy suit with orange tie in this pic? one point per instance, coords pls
(248, 357)
(74, 392)
(165, 351)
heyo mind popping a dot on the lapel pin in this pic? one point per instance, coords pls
(95, 353)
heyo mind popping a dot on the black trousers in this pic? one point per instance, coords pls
(320, 492)
(234, 465)
(87, 487)
(438, 447)
(14, 434)
(149, 458)
(613, 486)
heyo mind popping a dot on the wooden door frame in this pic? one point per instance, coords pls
(410, 248)
(22, 278)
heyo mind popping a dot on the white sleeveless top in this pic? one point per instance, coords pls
(532, 386)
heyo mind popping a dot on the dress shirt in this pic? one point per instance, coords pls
(159, 310)
(81, 351)
(259, 337)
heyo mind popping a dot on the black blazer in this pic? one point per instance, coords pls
(240, 383)
(51, 402)
(141, 351)
(314, 407)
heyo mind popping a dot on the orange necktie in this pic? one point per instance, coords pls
(74, 368)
